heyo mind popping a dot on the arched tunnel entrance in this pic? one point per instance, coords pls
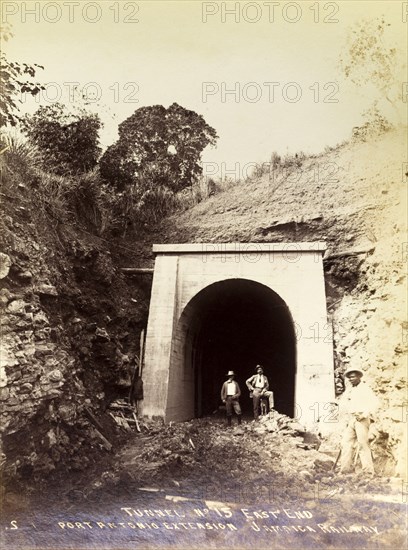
(221, 306)
(236, 324)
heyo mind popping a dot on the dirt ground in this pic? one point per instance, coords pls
(266, 484)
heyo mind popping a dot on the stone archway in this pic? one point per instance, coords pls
(190, 284)
(231, 324)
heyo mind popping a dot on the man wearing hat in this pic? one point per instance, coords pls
(230, 393)
(357, 406)
(258, 385)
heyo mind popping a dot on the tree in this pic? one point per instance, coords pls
(158, 147)
(67, 141)
(16, 79)
(117, 165)
(368, 59)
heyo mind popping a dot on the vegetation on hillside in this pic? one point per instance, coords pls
(158, 147)
(16, 79)
(67, 141)
(136, 181)
(369, 60)
(154, 168)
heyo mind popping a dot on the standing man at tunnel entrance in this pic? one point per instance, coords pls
(358, 406)
(258, 385)
(230, 393)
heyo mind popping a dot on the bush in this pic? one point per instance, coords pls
(19, 160)
(68, 142)
(137, 207)
(375, 125)
(260, 169)
(92, 201)
(83, 199)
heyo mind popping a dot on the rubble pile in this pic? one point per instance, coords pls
(207, 459)
(207, 446)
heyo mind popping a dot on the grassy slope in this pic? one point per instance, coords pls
(359, 195)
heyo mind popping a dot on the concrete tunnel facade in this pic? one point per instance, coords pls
(216, 307)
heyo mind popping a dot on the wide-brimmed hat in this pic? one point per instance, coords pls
(230, 373)
(353, 369)
(258, 367)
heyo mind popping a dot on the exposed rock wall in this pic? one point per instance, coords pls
(70, 325)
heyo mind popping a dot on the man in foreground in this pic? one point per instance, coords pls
(258, 385)
(358, 406)
(230, 393)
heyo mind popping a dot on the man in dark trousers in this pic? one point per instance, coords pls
(230, 393)
(258, 385)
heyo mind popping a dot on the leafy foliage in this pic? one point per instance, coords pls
(137, 207)
(375, 124)
(68, 142)
(368, 58)
(158, 147)
(20, 155)
(16, 79)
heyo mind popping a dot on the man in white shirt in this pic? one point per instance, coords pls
(258, 385)
(230, 393)
(357, 406)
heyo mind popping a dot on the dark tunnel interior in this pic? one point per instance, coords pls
(242, 323)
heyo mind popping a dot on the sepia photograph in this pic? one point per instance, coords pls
(203, 275)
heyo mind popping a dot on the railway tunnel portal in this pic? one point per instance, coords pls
(216, 307)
